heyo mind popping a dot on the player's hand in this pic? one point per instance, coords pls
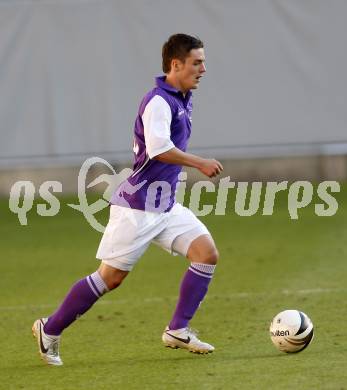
(210, 167)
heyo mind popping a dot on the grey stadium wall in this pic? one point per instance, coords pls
(273, 103)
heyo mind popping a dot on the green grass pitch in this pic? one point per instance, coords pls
(267, 264)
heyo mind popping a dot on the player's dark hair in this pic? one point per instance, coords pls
(178, 46)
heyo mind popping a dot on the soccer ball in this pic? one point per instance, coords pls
(291, 331)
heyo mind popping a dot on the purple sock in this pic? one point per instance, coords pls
(193, 289)
(80, 298)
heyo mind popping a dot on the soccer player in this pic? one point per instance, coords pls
(143, 207)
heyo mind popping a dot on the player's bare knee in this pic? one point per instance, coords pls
(212, 257)
(115, 280)
(112, 277)
(208, 257)
(112, 284)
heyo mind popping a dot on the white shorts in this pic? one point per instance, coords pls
(129, 233)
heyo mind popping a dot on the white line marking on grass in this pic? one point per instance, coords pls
(240, 295)
(311, 291)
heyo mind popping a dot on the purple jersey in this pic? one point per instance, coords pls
(163, 122)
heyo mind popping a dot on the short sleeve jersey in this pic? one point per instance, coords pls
(163, 122)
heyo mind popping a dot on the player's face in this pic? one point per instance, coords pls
(191, 70)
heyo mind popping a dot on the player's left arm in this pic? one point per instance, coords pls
(208, 166)
(156, 120)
